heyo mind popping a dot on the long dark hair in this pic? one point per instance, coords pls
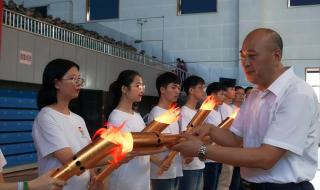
(125, 78)
(55, 69)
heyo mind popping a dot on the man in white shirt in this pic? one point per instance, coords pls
(168, 87)
(278, 125)
(192, 178)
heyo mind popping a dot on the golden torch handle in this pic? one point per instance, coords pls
(168, 160)
(149, 141)
(86, 158)
(106, 172)
(197, 120)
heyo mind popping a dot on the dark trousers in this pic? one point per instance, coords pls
(165, 184)
(211, 175)
(305, 185)
(236, 183)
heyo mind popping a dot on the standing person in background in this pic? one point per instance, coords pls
(192, 167)
(40, 183)
(126, 90)
(212, 169)
(58, 133)
(168, 87)
(227, 170)
(247, 91)
(229, 92)
(239, 97)
(237, 102)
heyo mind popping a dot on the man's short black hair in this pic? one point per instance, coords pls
(238, 87)
(227, 84)
(191, 82)
(166, 78)
(248, 88)
(214, 87)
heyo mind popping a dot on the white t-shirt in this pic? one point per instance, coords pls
(285, 115)
(3, 161)
(135, 174)
(53, 131)
(216, 116)
(175, 169)
(186, 116)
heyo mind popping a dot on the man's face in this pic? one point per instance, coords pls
(230, 93)
(197, 91)
(257, 59)
(239, 95)
(171, 92)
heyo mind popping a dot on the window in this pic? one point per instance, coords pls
(313, 78)
(102, 9)
(196, 6)
(292, 3)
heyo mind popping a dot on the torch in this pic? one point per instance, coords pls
(108, 141)
(227, 122)
(197, 120)
(158, 124)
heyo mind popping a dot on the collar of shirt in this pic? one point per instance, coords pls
(278, 86)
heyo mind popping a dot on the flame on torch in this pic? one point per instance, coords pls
(157, 125)
(226, 123)
(208, 104)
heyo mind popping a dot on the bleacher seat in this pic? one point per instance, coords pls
(18, 109)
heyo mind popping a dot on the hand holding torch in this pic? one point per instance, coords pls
(206, 107)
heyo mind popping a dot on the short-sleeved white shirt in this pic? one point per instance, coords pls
(175, 169)
(3, 161)
(286, 115)
(53, 131)
(186, 116)
(135, 174)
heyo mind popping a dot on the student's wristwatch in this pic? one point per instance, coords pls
(202, 152)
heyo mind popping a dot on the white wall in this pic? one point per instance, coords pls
(209, 40)
(298, 26)
(98, 69)
(213, 38)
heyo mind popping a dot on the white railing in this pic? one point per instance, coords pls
(29, 24)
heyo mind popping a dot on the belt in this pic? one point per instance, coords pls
(304, 185)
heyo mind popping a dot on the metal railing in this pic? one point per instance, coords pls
(29, 24)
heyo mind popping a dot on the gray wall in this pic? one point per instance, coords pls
(98, 69)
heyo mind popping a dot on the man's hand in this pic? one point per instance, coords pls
(189, 147)
(188, 160)
(203, 130)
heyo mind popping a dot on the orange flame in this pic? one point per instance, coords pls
(170, 116)
(234, 114)
(117, 136)
(208, 104)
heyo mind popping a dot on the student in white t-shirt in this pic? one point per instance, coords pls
(168, 87)
(192, 167)
(40, 183)
(227, 170)
(59, 133)
(217, 115)
(127, 90)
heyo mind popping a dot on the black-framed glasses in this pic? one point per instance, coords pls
(76, 80)
(140, 86)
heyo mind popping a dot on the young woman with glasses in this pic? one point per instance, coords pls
(59, 133)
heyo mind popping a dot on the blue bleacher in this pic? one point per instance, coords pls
(18, 108)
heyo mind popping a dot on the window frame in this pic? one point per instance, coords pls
(318, 86)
